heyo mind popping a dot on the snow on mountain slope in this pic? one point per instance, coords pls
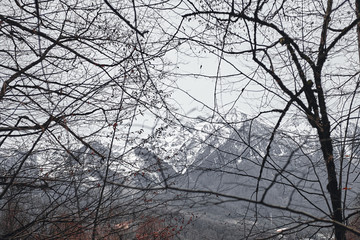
(217, 155)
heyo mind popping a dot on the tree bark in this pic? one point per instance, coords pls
(324, 135)
(357, 9)
(332, 186)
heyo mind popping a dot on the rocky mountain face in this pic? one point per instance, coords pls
(224, 173)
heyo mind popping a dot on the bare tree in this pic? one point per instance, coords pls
(287, 61)
(75, 76)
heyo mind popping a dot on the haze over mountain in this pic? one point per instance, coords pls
(226, 159)
(219, 163)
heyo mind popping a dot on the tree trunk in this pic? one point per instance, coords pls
(332, 186)
(357, 9)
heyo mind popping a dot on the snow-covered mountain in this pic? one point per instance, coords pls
(225, 159)
(209, 167)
